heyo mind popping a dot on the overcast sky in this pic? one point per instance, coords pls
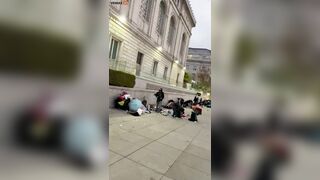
(201, 34)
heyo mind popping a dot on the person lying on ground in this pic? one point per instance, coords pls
(187, 103)
(169, 104)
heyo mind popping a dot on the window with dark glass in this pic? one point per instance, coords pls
(145, 9)
(171, 31)
(162, 18)
(155, 67)
(165, 73)
(114, 49)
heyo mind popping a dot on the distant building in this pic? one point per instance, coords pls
(199, 64)
(150, 39)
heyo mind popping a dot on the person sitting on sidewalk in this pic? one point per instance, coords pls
(169, 104)
(122, 101)
(146, 105)
(193, 117)
(178, 110)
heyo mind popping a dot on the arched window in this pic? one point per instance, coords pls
(172, 29)
(183, 46)
(162, 18)
(145, 9)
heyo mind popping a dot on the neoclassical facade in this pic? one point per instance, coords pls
(199, 64)
(150, 39)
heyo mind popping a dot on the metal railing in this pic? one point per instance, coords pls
(123, 66)
(158, 77)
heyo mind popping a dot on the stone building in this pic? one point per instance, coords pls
(199, 64)
(150, 38)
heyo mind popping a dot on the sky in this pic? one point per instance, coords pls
(201, 34)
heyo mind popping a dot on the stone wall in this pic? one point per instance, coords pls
(148, 94)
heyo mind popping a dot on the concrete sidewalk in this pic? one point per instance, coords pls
(157, 147)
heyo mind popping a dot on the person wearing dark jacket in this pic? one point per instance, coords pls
(178, 110)
(197, 98)
(160, 97)
(276, 147)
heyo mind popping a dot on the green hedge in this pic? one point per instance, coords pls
(36, 52)
(119, 78)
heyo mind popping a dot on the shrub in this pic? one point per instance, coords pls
(187, 78)
(122, 79)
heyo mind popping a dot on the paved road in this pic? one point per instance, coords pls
(157, 147)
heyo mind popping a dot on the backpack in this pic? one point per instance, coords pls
(193, 117)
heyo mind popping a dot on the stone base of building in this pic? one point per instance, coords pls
(145, 83)
(148, 94)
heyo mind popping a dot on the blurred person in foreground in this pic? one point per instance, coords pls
(47, 124)
(276, 151)
(272, 140)
(223, 148)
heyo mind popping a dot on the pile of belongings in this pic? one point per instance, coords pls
(167, 112)
(122, 101)
(136, 107)
(206, 103)
(151, 107)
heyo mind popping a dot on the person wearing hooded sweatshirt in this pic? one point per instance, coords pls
(197, 99)
(160, 97)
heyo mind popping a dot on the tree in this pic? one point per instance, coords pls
(204, 87)
(204, 76)
(187, 78)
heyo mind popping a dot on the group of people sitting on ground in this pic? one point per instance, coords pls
(134, 106)
(177, 108)
(181, 101)
(137, 107)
